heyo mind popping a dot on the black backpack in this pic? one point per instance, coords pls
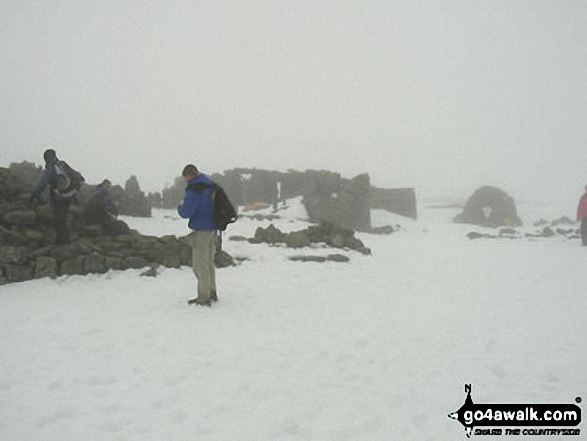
(68, 180)
(224, 212)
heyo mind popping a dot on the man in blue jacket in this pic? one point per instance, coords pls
(198, 207)
(59, 199)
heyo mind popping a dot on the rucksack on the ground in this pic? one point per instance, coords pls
(224, 212)
(68, 180)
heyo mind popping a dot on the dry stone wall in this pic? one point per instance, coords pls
(27, 238)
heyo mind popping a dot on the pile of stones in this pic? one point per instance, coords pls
(325, 233)
(544, 232)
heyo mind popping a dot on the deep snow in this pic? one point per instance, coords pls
(376, 349)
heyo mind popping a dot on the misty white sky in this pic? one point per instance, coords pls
(443, 96)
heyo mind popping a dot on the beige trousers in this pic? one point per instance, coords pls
(203, 245)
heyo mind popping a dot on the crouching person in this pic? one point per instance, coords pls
(198, 207)
(101, 210)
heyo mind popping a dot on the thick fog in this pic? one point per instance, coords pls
(443, 96)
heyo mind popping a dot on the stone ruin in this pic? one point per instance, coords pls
(490, 207)
(27, 238)
(326, 195)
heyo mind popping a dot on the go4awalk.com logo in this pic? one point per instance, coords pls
(518, 419)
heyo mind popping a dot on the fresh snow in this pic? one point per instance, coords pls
(379, 348)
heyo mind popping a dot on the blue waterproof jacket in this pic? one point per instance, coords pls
(48, 178)
(198, 207)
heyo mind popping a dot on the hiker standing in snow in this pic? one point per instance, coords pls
(63, 182)
(198, 207)
(582, 216)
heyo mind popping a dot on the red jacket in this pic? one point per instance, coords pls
(582, 208)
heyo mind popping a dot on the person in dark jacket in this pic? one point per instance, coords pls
(582, 216)
(101, 210)
(59, 201)
(198, 207)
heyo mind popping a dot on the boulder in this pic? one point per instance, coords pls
(16, 273)
(46, 267)
(238, 238)
(298, 239)
(66, 252)
(94, 263)
(223, 260)
(20, 218)
(385, 229)
(113, 262)
(338, 258)
(308, 258)
(132, 262)
(12, 254)
(72, 267)
(274, 235)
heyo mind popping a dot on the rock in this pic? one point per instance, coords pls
(564, 220)
(151, 272)
(15, 273)
(170, 258)
(237, 238)
(33, 236)
(46, 267)
(547, 232)
(133, 263)
(260, 235)
(185, 254)
(72, 267)
(255, 240)
(223, 260)
(126, 239)
(308, 259)
(474, 235)
(94, 263)
(21, 218)
(12, 254)
(92, 231)
(11, 238)
(336, 240)
(113, 262)
(353, 243)
(338, 258)
(385, 229)
(66, 252)
(298, 239)
(507, 232)
(365, 251)
(274, 235)
(45, 251)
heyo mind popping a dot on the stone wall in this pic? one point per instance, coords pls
(326, 195)
(27, 238)
(401, 201)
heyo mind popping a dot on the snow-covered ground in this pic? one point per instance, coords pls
(375, 349)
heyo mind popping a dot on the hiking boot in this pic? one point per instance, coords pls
(199, 302)
(213, 296)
